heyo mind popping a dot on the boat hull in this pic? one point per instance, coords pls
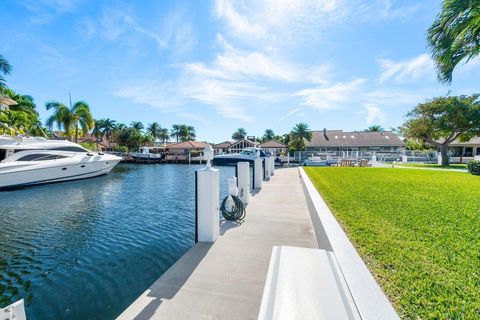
(55, 173)
(229, 161)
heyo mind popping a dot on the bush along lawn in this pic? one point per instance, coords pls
(418, 231)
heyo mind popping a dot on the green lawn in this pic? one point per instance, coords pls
(435, 166)
(417, 230)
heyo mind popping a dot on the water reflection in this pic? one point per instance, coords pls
(87, 249)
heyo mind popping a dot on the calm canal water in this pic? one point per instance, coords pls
(87, 249)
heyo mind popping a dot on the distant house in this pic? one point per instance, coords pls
(460, 152)
(102, 144)
(222, 147)
(6, 102)
(273, 147)
(339, 140)
(233, 147)
(187, 147)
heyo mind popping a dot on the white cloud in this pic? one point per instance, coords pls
(271, 23)
(332, 96)
(374, 114)
(161, 95)
(118, 24)
(237, 64)
(407, 70)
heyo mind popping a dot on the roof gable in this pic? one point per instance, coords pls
(248, 142)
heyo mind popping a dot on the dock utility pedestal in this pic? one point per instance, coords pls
(243, 178)
(207, 204)
(257, 173)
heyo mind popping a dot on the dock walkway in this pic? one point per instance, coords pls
(225, 280)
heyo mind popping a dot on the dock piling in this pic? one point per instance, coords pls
(207, 204)
(257, 174)
(243, 177)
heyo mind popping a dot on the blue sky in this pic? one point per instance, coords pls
(223, 64)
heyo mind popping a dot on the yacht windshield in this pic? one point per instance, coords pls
(70, 148)
(249, 152)
(41, 157)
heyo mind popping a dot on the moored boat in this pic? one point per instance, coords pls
(248, 154)
(31, 161)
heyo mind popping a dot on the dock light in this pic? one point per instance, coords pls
(208, 155)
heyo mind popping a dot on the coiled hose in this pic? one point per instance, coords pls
(233, 212)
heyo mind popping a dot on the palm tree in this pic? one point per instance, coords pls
(454, 36)
(108, 126)
(175, 131)
(375, 128)
(137, 125)
(78, 115)
(5, 69)
(153, 129)
(97, 131)
(300, 133)
(164, 135)
(268, 135)
(240, 134)
(187, 133)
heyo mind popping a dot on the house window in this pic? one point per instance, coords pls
(468, 152)
(456, 152)
(477, 151)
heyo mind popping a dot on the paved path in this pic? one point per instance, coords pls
(225, 280)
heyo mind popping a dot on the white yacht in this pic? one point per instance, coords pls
(247, 154)
(30, 161)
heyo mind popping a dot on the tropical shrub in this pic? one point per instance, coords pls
(120, 149)
(474, 167)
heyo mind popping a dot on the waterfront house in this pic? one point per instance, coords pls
(222, 147)
(6, 102)
(363, 141)
(101, 144)
(273, 147)
(462, 152)
(187, 147)
(234, 147)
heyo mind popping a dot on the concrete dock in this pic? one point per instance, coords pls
(225, 280)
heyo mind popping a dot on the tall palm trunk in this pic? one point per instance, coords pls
(76, 132)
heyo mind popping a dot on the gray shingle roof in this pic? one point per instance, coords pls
(339, 138)
(473, 141)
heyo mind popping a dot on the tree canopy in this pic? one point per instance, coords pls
(5, 69)
(240, 134)
(268, 135)
(69, 119)
(375, 128)
(300, 133)
(442, 120)
(454, 36)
